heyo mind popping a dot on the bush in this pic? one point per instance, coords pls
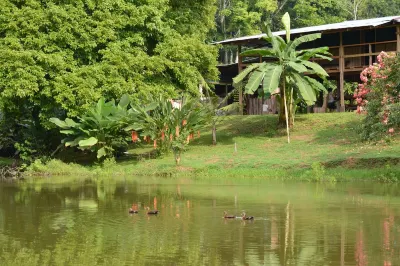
(378, 97)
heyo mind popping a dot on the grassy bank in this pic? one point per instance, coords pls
(324, 146)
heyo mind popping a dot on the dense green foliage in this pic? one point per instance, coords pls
(105, 127)
(237, 18)
(99, 129)
(58, 57)
(170, 129)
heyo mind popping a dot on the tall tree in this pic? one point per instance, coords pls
(58, 57)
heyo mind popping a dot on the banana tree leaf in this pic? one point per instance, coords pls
(242, 75)
(303, 39)
(101, 152)
(262, 52)
(254, 81)
(318, 86)
(306, 91)
(316, 67)
(59, 123)
(300, 68)
(309, 53)
(88, 142)
(272, 78)
(286, 24)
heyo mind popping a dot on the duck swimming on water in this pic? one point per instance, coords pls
(151, 212)
(244, 217)
(133, 209)
(227, 216)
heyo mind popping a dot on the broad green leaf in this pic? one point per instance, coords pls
(101, 152)
(302, 39)
(59, 123)
(124, 101)
(286, 24)
(242, 75)
(150, 106)
(316, 84)
(273, 41)
(310, 53)
(73, 143)
(67, 131)
(316, 67)
(272, 78)
(262, 52)
(88, 142)
(306, 91)
(323, 57)
(300, 68)
(254, 81)
(70, 122)
(100, 106)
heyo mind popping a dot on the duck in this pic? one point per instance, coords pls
(227, 216)
(244, 217)
(133, 209)
(151, 212)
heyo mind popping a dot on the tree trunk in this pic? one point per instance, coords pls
(291, 109)
(282, 117)
(286, 110)
(214, 134)
(177, 155)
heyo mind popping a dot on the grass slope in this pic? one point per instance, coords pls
(323, 145)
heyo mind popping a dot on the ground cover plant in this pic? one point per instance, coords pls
(252, 146)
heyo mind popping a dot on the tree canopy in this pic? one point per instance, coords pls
(60, 56)
(236, 18)
(67, 54)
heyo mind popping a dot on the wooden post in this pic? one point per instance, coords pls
(341, 70)
(398, 39)
(240, 88)
(370, 54)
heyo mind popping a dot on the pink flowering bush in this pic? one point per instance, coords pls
(378, 97)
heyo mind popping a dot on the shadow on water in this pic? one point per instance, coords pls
(86, 223)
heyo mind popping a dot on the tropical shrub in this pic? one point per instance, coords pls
(169, 128)
(100, 129)
(378, 97)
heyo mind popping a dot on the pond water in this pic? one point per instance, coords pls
(87, 223)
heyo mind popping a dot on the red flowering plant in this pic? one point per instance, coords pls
(378, 97)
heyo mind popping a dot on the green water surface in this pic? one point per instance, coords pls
(87, 223)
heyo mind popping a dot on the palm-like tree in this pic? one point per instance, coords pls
(288, 69)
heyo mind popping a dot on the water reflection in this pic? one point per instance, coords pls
(88, 223)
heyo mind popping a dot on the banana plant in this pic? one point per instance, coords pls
(288, 69)
(100, 130)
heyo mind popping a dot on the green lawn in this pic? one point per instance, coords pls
(262, 151)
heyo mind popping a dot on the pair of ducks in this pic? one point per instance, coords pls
(243, 217)
(135, 210)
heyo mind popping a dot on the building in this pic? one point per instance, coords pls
(353, 44)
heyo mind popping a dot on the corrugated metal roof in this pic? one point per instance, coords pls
(374, 22)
